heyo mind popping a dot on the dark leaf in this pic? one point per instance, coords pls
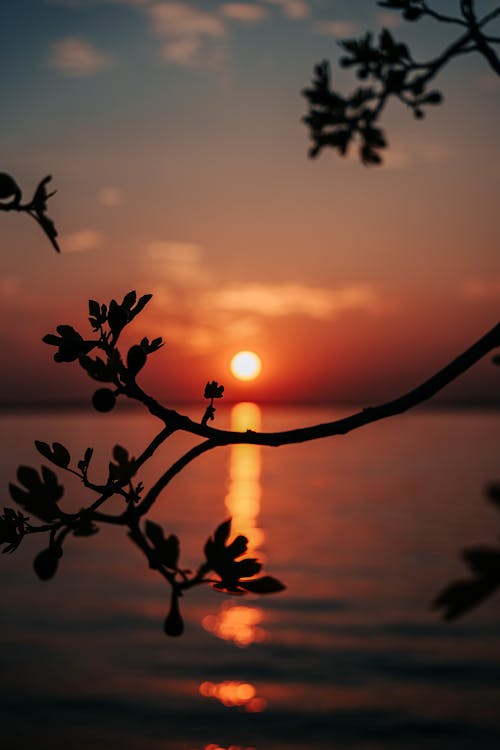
(129, 300)
(222, 532)
(124, 468)
(238, 546)
(136, 359)
(213, 390)
(41, 493)
(94, 308)
(58, 454)
(154, 532)
(8, 187)
(461, 596)
(247, 568)
(263, 585)
(493, 493)
(484, 561)
(141, 304)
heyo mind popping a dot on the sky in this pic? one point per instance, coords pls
(174, 134)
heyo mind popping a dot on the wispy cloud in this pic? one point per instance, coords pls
(82, 241)
(245, 12)
(277, 300)
(481, 290)
(76, 57)
(110, 196)
(336, 28)
(295, 9)
(191, 37)
(388, 20)
(181, 263)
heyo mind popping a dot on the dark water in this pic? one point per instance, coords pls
(364, 530)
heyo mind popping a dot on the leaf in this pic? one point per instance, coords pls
(41, 494)
(154, 533)
(484, 561)
(247, 568)
(493, 493)
(62, 456)
(8, 187)
(58, 454)
(129, 300)
(222, 532)
(83, 465)
(124, 468)
(141, 303)
(461, 596)
(136, 359)
(263, 585)
(167, 549)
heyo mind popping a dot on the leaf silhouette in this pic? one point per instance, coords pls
(40, 493)
(58, 454)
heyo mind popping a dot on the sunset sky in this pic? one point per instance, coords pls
(173, 133)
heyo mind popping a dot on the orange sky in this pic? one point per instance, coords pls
(181, 165)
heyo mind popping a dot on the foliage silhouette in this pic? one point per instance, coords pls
(389, 70)
(335, 121)
(11, 197)
(461, 596)
(224, 564)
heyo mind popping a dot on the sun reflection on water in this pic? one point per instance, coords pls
(237, 623)
(240, 624)
(234, 694)
(244, 490)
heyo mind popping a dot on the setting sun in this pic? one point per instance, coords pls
(246, 365)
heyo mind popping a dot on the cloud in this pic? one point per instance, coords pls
(109, 196)
(388, 20)
(181, 262)
(82, 241)
(246, 12)
(191, 37)
(481, 290)
(295, 9)
(75, 57)
(277, 300)
(10, 289)
(336, 28)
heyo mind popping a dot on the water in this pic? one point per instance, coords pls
(364, 530)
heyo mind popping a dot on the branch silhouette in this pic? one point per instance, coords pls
(389, 71)
(335, 121)
(11, 197)
(224, 565)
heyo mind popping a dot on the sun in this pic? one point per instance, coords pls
(246, 365)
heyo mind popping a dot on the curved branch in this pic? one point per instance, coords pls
(418, 395)
(171, 472)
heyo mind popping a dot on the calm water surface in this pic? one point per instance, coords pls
(363, 529)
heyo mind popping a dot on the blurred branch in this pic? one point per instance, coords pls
(388, 70)
(36, 207)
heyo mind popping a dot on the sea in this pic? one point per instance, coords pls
(364, 530)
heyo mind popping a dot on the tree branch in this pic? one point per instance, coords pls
(418, 395)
